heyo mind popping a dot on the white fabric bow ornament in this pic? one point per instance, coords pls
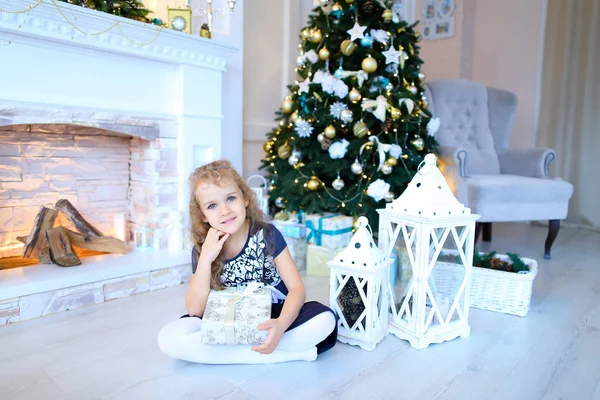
(410, 105)
(378, 189)
(432, 126)
(361, 76)
(380, 147)
(338, 149)
(379, 104)
(330, 84)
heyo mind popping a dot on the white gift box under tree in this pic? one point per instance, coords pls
(358, 292)
(427, 218)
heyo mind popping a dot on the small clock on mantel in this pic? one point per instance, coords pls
(180, 19)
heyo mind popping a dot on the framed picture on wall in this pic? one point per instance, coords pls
(438, 19)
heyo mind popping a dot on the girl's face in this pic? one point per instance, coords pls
(223, 207)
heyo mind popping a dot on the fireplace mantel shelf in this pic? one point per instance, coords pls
(45, 22)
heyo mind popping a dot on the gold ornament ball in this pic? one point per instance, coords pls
(392, 161)
(305, 34)
(354, 95)
(360, 129)
(387, 15)
(324, 53)
(313, 183)
(294, 116)
(284, 151)
(287, 105)
(412, 89)
(316, 35)
(336, 7)
(418, 143)
(350, 1)
(424, 104)
(268, 146)
(329, 132)
(369, 65)
(395, 113)
(347, 47)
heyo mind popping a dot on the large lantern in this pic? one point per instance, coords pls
(359, 290)
(430, 303)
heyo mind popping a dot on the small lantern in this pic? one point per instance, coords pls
(359, 287)
(432, 304)
(261, 193)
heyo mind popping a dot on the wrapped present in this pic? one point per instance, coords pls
(295, 237)
(332, 231)
(317, 258)
(232, 315)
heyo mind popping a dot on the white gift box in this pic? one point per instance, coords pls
(232, 315)
(332, 231)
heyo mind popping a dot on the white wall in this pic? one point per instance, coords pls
(497, 43)
(228, 30)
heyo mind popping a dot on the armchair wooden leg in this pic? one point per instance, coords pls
(487, 231)
(478, 226)
(553, 228)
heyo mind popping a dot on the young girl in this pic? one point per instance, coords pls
(234, 245)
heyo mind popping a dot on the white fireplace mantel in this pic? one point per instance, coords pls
(171, 88)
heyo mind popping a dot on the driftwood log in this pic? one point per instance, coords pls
(105, 244)
(61, 251)
(65, 207)
(36, 243)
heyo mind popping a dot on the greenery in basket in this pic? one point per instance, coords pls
(132, 9)
(490, 261)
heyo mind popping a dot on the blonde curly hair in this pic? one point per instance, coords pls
(219, 172)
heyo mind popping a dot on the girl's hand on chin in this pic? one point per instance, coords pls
(212, 245)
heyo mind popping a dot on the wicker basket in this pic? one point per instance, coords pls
(493, 290)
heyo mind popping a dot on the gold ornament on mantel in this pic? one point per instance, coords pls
(284, 151)
(347, 47)
(204, 31)
(313, 183)
(324, 54)
(329, 132)
(369, 65)
(287, 105)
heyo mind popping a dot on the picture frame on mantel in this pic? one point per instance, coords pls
(180, 19)
(438, 19)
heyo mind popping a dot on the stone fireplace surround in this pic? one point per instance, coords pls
(63, 94)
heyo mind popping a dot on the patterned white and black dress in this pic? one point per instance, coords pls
(255, 263)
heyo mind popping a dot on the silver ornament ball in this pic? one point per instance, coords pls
(346, 116)
(338, 184)
(389, 197)
(356, 168)
(320, 137)
(279, 202)
(386, 169)
(294, 159)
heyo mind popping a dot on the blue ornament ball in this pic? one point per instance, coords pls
(366, 41)
(338, 73)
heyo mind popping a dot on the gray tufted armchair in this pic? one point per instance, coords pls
(495, 181)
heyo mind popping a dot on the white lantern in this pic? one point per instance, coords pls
(261, 193)
(430, 303)
(359, 288)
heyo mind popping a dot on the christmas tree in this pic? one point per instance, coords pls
(355, 126)
(132, 9)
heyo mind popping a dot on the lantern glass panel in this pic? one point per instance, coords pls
(351, 303)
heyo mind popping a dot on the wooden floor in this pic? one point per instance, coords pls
(109, 351)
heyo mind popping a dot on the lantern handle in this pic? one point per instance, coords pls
(259, 177)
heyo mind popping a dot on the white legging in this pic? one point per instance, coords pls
(181, 339)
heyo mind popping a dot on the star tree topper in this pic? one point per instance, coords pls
(357, 32)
